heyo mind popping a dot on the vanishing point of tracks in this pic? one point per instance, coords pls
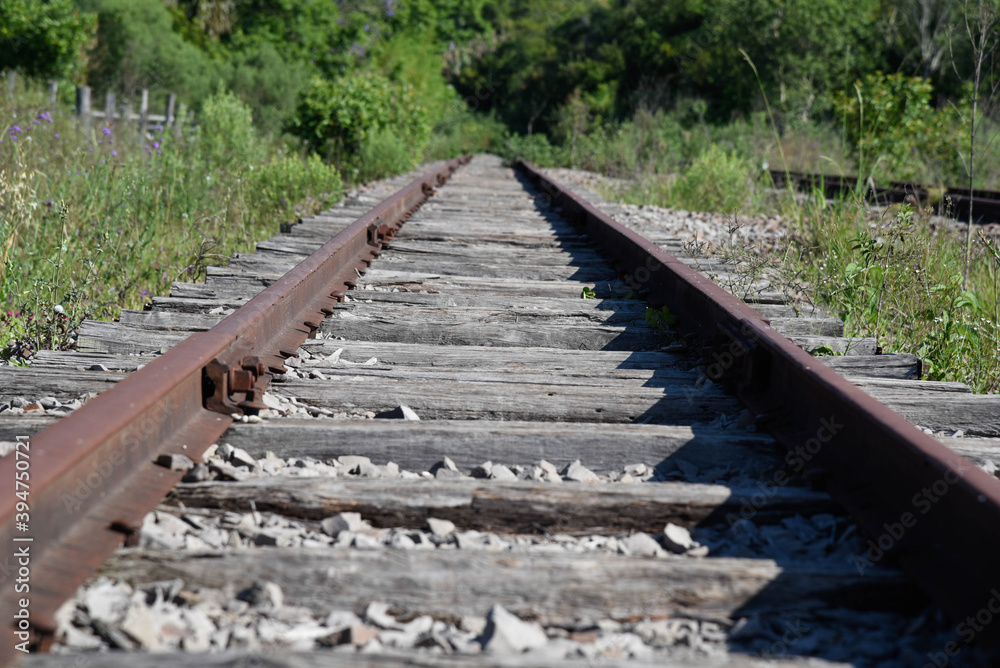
(588, 480)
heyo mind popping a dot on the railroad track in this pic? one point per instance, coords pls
(949, 200)
(589, 479)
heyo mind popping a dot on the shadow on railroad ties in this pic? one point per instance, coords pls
(827, 594)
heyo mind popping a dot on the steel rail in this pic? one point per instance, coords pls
(932, 510)
(92, 475)
(986, 202)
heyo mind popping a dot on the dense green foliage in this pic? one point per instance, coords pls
(890, 121)
(42, 39)
(338, 118)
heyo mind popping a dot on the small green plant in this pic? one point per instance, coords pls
(588, 293)
(661, 320)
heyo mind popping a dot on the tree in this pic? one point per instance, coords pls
(43, 39)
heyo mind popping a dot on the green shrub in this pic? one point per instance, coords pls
(226, 136)
(889, 121)
(383, 154)
(463, 131)
(337, 118)
(286, 181)
(533, 148)
(715, 181)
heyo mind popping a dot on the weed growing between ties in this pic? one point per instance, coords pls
(895, 277)
(96, 221)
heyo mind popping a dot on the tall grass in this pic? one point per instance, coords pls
(894, 277)
(95, 221)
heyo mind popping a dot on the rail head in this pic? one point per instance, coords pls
(92, 475)
(939, 511)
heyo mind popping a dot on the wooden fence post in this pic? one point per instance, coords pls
(109, 108)
(169, 113)
(126, 113)
(53, 93)
(83, 106)
(179, 120)
(11, 81)
(143, 111)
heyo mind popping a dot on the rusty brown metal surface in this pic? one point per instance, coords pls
(933, 511)
(91, 475)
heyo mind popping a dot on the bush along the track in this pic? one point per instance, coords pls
(894, 277)
(95, 221)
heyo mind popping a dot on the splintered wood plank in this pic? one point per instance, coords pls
(897, 365)
(484, 357)
(975, 414)
(891, 386)
(113, 337)
(62, 384)
(500, 310)
(551, 588)
(527, 401)
(449, 332)
(612, 379)
(514, 507)
(25, 424)
(269, 264)
(808, 326)
(417, 446)
(981, 451)
(82, 361)
(837, 345)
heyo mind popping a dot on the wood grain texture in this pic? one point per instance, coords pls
(471, 400)
(417, 446)
(551, 588)
(505, 507)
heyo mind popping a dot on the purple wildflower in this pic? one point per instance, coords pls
(158, 128)
(56, 135)
(156, 144)
(106, 130)
(114, 154)
(16, 128)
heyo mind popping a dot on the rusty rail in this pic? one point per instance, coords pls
(985, 203)
(928, 507)
(92, 474)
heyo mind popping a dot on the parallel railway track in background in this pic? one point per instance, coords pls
(952, 201)
(585, 482)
